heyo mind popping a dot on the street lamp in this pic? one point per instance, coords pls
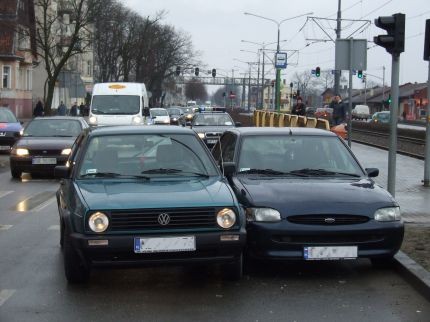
(278, 71)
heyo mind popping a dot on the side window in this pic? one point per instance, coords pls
(228, 144)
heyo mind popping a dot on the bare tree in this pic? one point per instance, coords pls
(195, 90)
(58, 40)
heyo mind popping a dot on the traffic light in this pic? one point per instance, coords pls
(213, 72)
(389, 100)
(364, 78)
(317, 72)
(224, 94)
(394, 41)
(291, 85)
(196, 71)
(360, 74)
(178, 70)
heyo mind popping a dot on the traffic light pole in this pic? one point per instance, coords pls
(427, 148)
(394, 108)
(351, 57)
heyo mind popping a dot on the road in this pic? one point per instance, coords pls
(33, 286)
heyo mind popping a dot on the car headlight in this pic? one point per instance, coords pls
(201, 135)
(21, 152)
(388, 214)
(175, 119)
(93, 120)
(263, 214)
(136, 120)
(226, 218)
(166, 121)
(66, 151)
(21, 132)
(98, 222)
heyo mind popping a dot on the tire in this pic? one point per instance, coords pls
(16, 174)
(383, 262)
(234, 271)
(76, 270)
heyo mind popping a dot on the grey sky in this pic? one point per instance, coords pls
(218, 26)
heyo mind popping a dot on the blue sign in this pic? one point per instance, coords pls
(281, 60)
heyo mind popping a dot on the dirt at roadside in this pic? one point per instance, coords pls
(416, 244)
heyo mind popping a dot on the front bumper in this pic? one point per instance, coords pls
(25, 163)
(120, 250)
(285, 240)
(8, 140)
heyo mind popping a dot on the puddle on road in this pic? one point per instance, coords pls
(34, 201)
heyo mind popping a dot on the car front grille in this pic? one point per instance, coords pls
(328, 239)
(44, 152)
(328, 220)
(213, 134)
(149, 219)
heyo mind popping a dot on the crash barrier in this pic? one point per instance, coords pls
(265, 118)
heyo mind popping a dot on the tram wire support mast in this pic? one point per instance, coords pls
(426, 180)
(394, 43)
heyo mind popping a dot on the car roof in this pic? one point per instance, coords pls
(141, 129)
(59, 118)
(300, 131)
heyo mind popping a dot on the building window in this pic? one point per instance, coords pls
(6, 83)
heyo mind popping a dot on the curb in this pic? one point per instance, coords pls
(414, 272)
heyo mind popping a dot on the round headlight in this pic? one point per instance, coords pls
(201, 135)
(93, 120)
(98, 222)
(226, 218)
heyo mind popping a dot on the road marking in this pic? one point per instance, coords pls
(54, 227)
(44, 205)
(38, 201)
(5, 295)
(5, 227)
(4, 193)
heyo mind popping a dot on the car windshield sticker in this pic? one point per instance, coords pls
(244, 169)
(91, 171)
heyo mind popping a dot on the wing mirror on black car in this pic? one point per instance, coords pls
(62, 172)
(229, 168)
(188, 123)
(238, 124)
(372, 172)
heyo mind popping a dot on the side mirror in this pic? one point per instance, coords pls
(62, 172)
(372, 172)
(229, 168)
(21, 122)
(188, 123)
(238, 124)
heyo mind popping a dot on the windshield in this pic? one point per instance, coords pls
(115, 104)
(213, 120)
(53, 127)
(7, 116)
(187, 110)
(157, 112)
(383, 116)
(146, 155)
(294, 153)
(174, 111)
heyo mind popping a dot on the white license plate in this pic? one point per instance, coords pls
(4, 147)
(330, 252)
(44, 161)
(212, 141)
(165, 244)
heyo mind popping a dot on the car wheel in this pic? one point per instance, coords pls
(15, 173)
(383, 262)
(76, 270)
(234, 271)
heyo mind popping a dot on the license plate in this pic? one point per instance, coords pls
(330, 253)
(44, 161)
(165, 244)
(212, 141)
(4, 147)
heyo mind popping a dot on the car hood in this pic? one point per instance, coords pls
(56, 143)
(137, 194)
(214, 129)
(10, 127)
(315, 196)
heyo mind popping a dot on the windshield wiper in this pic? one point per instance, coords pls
(173, 171)
(264, 171)
(323, 172)
(62, 136)
(113, 175)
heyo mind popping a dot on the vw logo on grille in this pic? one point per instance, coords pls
(2, 133)
(163, 219)
(329, 220)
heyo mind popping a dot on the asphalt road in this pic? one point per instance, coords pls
(33, 286)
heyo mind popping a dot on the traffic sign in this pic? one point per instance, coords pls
(232, 96)
(281, 60)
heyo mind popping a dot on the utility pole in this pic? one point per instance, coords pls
(257, 99)
(249, 89)
(383, 86)
(337, 73)
(262, 81)
(427, 147)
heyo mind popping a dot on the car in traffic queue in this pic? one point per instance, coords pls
(10, 129)
(209, 126)
(307, 197)
(324, 113)
(380, 118)
(158, 116)
(176, 115)
(188, 113)
(45, 143)
(125, 200)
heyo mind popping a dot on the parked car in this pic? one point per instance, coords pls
(45, 143)
(188, 113)
(125, 199)
(10, 129)
(324, 113)
(158, 116)
(381, 117)
(176, 116)
(361, 112)
(310, 111)
(209, 126)
(307, 197)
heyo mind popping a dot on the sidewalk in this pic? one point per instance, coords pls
(413, 197)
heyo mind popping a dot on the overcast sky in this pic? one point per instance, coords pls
(218, 26)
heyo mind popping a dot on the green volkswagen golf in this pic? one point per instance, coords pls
(142, 195)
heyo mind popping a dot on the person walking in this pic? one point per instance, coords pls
(299, 108)
(38, 110)
(81, 109)
(74, 110)
(62, 109)
(339, 110)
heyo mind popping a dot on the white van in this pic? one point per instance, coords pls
(118, 104)
(361, 112)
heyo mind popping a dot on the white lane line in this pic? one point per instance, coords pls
(44, 204)
(5, 193)
(5, 295)
(5, 227)
(54, 227)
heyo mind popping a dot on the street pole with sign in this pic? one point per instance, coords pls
(426, 180)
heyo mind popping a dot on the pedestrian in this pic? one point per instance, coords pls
(339, 111)
(62, 109)
(299, 108)
(74, 110)
(38, 110)
(81, 109)
(404, 115)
